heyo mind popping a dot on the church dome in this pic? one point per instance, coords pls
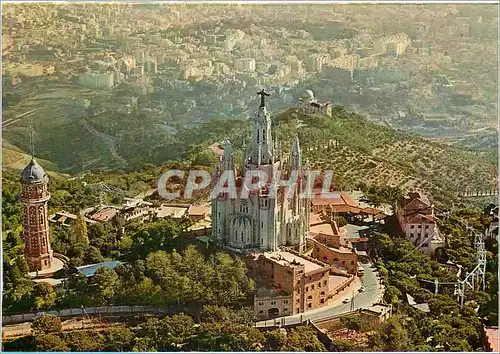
(308, 94)
(34, 173)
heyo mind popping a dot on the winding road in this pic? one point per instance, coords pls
(109, 139)
(371, 295)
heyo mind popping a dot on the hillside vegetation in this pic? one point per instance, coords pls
(378, 155)
(356, 150)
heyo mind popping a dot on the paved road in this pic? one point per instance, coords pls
(109, 139)
(372, 294)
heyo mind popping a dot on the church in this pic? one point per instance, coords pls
(266, 219)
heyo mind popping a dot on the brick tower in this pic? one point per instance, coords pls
(35, 197)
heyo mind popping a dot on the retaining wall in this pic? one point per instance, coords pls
(75, 312)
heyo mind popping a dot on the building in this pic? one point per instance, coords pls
(491, 339)
(260, 220)
(338, 75)
(34, 198)
(151, 66)
(315, 62)
(105, 214)
(347, 62)
(396, 43)
(299, 283)
(310, 105)
(341, 258)
(172, 211)
(67, 219)
(97, 80)
(271, 303)
(245, 64)
(416, 218)
(330, 244)
(373, 316)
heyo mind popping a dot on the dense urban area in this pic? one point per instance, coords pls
(399, 102)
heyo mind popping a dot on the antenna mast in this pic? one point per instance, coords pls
(32, 139)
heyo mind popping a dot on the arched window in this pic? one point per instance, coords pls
(41, 214)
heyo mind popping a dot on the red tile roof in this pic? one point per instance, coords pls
(348, 199)
(413, 217)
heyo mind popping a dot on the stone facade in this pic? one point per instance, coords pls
(268, 304)
(289, 273)
(341, 258)
(259, 220)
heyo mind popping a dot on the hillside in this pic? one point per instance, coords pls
(356, 150)
(14, 158)
(377, 155)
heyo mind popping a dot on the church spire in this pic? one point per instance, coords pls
(227, 156)
(262, 142)
(295, 155)
(32, 140)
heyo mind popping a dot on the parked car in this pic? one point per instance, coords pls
(361, 289)
(346, 300)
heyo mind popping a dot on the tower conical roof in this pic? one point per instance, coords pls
(34, 173)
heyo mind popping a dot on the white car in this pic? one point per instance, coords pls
(346, 301)
(361, 289)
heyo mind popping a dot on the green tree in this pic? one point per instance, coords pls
(143, 344)
(154, 236)
(92, 255)
(170, 333)
(80, 230)
(390, 336)
(228, 337)
(46, 324)
(44, 296)
(342, 345)
(352, 322)
(275, 340)
(118, 339)
(303, 338)
(85, 341)
(50, 343)
(103, 286)
(392, 294)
